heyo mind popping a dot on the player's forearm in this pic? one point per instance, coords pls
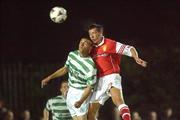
(86, 93)
(46, 114)
(134, 53)
(62, 71)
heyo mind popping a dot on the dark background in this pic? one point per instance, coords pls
(32, 44)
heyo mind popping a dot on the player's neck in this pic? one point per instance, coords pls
(83, 55)
(100, 40)
(64, 96)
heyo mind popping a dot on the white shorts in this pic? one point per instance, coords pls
(73, 96)
(101, 92)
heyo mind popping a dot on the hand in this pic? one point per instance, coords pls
(141, 62)
(44, 82)
(78, 104)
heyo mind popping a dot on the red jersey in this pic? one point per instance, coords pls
(107, 56)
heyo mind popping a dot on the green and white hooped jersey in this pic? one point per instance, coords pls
(57, 106)
(81, 70)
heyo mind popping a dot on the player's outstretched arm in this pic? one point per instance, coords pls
(84, 96)
(62, 71)
(137, 59)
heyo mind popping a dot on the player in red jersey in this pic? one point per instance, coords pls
(106, 54)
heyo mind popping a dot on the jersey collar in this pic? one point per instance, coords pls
(102, 42)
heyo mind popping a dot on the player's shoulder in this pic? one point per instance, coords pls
(89, 59)
(110, 42)
(91, 62)
(57, 97)
(75, 52)
(53, 99)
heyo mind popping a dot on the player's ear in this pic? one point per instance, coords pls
(101, 30)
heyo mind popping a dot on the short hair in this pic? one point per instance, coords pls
(87, 39)
(97, 26)
(62, 81)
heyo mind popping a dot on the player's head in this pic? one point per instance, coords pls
(26, 115)
(153, 115)
(64, 87)
(168, 112)
(85, 47)
(9, 115)
(95, 33)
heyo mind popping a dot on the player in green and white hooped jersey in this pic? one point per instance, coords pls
(57, 105)
(82, 78)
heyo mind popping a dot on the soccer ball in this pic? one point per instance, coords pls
(58, 14)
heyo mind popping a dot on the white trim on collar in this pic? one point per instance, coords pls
(102, 42)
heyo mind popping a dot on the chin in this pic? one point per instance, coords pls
(95, 42)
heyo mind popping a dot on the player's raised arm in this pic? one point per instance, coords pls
(136, 57)
(62, 71)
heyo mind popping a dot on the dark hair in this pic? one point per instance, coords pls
(63, 81)
(97, 26)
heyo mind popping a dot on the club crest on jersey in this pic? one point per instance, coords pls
(104, 48)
